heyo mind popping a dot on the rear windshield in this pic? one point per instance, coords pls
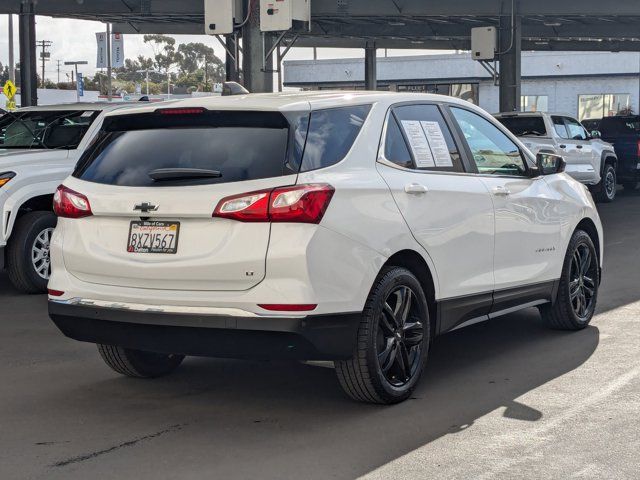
(229, 146)
(620, 125)
(238, 145)
(63, 129)
(525, 126)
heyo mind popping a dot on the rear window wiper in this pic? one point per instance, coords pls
(168, 174)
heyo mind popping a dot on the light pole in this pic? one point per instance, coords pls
(75, 64)
(146, 73)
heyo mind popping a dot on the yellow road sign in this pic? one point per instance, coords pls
(9, 89)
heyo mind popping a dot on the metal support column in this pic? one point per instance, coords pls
(28, 67)
(254, 48)
(370, 74)
(510, 61)
(231, 66)
(12, 63)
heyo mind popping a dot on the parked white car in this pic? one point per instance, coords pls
(352, 227)
(39, 146)
(589, 159)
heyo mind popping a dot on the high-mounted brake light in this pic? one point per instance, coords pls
(181, 111)
(295, 204)
(68, 203)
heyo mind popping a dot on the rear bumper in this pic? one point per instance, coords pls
(313, 337)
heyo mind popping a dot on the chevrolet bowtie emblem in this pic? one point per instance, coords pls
(146, 207)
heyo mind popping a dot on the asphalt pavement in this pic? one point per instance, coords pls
(507, 399)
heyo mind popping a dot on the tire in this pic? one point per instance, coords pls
(32, 230)
(572, 311)
(630, 186)
(388, 339)
(139, 364)
(607, 187)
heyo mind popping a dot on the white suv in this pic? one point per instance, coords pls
(319, 226)
(39, 146)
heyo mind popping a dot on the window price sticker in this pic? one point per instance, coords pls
(428, 144)
(419, 144)
(438, 144)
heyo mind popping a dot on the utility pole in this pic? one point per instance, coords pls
(12, 64)
(59, 62)
(44, 55)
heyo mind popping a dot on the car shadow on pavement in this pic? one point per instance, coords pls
(287, 420)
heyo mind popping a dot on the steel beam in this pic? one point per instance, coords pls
(370, 73)
(379, 8)
(254, 48)
(510, 62)
(28, 68)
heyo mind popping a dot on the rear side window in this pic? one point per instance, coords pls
(331, 135)
(239, 145)
(525, 126)
(620, 126)
(395, 148)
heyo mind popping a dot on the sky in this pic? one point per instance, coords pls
(74, 40)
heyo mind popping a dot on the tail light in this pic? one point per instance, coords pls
(295, 204)
(638, 149)
(70, 204)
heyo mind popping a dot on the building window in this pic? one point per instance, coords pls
(465, 91)
(534, 103)
(593, 107)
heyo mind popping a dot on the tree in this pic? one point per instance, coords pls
(4, 74)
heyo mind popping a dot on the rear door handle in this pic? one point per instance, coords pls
(563, 146)
(579, 146)
(415, 189)
(501, 191)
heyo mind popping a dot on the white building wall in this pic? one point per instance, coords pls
(561, 76)
(563, 92)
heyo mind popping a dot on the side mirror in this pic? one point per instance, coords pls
(596, 134)
(549, 164)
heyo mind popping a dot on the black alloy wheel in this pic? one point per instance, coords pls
(582, 286)
(399, 339)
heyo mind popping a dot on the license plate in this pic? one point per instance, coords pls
(153, 237)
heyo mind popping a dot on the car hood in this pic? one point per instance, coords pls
(20, 158)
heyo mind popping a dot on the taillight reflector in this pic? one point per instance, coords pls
(279, 307)
(295, 204)
(55, 293)
(68, 203)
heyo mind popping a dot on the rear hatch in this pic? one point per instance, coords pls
(153, 182)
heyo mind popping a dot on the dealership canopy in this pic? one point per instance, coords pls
(587, 25)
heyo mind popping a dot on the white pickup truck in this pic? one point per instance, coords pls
(589, 159)
(39, 147)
